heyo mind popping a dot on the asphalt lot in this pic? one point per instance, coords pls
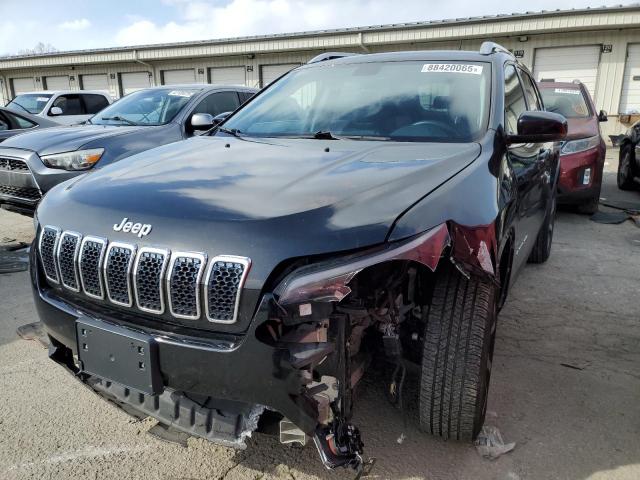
(565, 388)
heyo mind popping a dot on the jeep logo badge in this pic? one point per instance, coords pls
(140, 229)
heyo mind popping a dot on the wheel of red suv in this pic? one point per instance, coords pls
(542, 248)
(590, 206)
(625, 168)
(457, 355)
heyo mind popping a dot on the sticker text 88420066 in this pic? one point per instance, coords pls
(452, 68)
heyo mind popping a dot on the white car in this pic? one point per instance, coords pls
(67, 107)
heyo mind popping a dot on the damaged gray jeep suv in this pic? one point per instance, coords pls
(362, 207)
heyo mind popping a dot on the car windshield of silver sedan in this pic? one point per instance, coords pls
(569, 102)
(30, 102)
(413, 101)
(145, 107)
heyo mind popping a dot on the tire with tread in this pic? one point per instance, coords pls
(457, 355)
(625, 168)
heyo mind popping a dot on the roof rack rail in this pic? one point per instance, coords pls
(331, 56)
(487, 48)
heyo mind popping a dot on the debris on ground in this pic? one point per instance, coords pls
(401, 438)
(610, 218)
(168, 434)
(34, 331)
(14, 256)
(490, 444)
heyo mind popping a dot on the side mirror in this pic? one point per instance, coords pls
(202, 121)
(55, 111)
(602, 116)
(221, 117)
(537, 127)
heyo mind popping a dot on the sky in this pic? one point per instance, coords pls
(83, 24)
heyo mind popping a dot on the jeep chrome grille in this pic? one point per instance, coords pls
(68, 248)
(48, 245)
(224, 277)
(183, 281)
(91, 255)
(148, 272)
(117, 273)
(153, 280)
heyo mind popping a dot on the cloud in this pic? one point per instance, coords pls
(78, 24)
(202, 19)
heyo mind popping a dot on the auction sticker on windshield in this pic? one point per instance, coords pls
(567, 90)
(181, 93)
(452, 68)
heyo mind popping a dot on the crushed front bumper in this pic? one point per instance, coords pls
(214, 386)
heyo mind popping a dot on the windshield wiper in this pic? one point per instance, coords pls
(118, 118)
(231, 131)
(325, 135)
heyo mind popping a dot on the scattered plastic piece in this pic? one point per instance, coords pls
(168, 434)
(401, 438)
(489, 443)
(34, 331)
(14, 257)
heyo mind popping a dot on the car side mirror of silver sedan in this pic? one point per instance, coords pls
(55, 111)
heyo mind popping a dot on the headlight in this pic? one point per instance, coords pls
(79, 160)
(575, 146)
(328, 281)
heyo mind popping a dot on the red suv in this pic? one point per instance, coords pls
(583, 151)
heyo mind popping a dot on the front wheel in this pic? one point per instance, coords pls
(625, 168)
(457, 355)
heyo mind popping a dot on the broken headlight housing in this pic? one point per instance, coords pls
(78, 160)
(576, 146)
(328, 281)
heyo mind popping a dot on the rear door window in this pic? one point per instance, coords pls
(94, 103)
(217, 103)
(19, 122)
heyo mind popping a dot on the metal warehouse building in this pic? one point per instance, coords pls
(600, 46)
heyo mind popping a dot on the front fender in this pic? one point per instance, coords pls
(478, 205)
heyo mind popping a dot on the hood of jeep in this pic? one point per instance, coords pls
(267, 199)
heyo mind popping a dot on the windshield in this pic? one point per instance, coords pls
(145, 107)
(30, 102)
(401, 101)
(569, 102)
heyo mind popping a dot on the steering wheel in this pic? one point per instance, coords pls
(440, 129)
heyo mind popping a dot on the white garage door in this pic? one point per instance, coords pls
(630, 98)
(57, 83)
(132, 82)
(22, 85)
(566, 64)
(175, 77)
(227, 76)
(268, 73)
(97, 82)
